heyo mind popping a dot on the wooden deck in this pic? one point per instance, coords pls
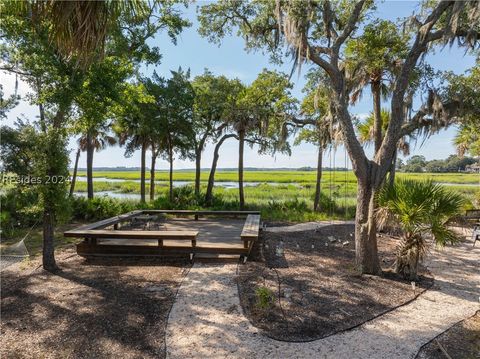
(197, 233)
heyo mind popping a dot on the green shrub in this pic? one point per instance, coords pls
(6, 224)
(264, 297)
(183, 198)
(421, 209)
(101, 207)
(20, 207)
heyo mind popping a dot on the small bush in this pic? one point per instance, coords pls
(265, 297)
(183, 198)
(100, 207)
(20, 208)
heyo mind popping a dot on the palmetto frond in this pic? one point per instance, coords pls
(467, 139)
(420, 209)
(100, 138)
(78, 28)
(366, 132)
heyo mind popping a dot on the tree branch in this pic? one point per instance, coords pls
(351, 25)
(419, 46)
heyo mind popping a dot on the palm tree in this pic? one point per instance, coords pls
(318, 129)
(420, 209)
(259, 117)
(134, 137)
(467, 140)
(373, 59)
(242, 125)
(95, 139)
(79, 28)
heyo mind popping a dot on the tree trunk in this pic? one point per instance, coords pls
(90, 150)
(406, 262)
(393, 169)
(366, 253)
(211, 177)
(142, 171)
(318, 186)
(377, 115)
(198, 161)
(56, 144)
(152, 173)
(170, 159)
(74, 176)
(48, 252)
(241, 144)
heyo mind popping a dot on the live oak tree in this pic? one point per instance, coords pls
(467, 88)
(102, 89)
(171, 113)
(232, 90)
(212, 97)
(51, 45)
(29, 54)
(317, 32)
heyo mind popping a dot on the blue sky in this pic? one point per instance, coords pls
(230, 59)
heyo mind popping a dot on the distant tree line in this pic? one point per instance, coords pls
(452, 163)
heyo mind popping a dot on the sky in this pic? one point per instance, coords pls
(230, 59)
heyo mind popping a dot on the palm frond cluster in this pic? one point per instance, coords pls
(421, 209)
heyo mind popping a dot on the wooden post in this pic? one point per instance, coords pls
(160, 242)
(115, 226)
(196, 217)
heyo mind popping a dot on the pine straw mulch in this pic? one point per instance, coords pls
(461, 341)
(103, 309)
(315, 290)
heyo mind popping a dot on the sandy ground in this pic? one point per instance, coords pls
(206, 320)
(462, 341)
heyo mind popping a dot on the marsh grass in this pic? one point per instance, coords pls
(284, 176)
(284, 200)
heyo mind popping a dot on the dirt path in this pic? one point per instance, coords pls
(207, 320)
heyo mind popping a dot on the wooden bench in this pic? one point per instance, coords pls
(473, 215)
(250, 231)
(94, 234)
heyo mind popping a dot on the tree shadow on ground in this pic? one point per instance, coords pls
(85, 311)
